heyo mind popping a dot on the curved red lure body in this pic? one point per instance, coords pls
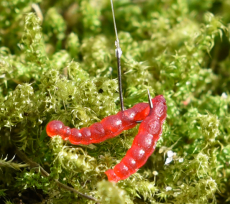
(109, 127)
(144, 143)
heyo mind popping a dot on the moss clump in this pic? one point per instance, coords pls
(57, 62)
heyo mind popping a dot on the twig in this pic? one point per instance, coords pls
(33, 164)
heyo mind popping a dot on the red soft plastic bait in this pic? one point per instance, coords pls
(143, 145)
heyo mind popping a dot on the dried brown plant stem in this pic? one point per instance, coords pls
(39, 169)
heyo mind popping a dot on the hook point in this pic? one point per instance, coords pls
(150, 101)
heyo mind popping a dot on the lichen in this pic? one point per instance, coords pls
(58, 62)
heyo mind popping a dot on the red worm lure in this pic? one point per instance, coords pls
(109, 127)
(144, 143)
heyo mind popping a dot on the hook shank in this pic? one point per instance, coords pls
(118, 53)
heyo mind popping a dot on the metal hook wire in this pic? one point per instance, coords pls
(150, 100)
(118, 53)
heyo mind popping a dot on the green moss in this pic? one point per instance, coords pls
(63, 66)
(110, 193)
